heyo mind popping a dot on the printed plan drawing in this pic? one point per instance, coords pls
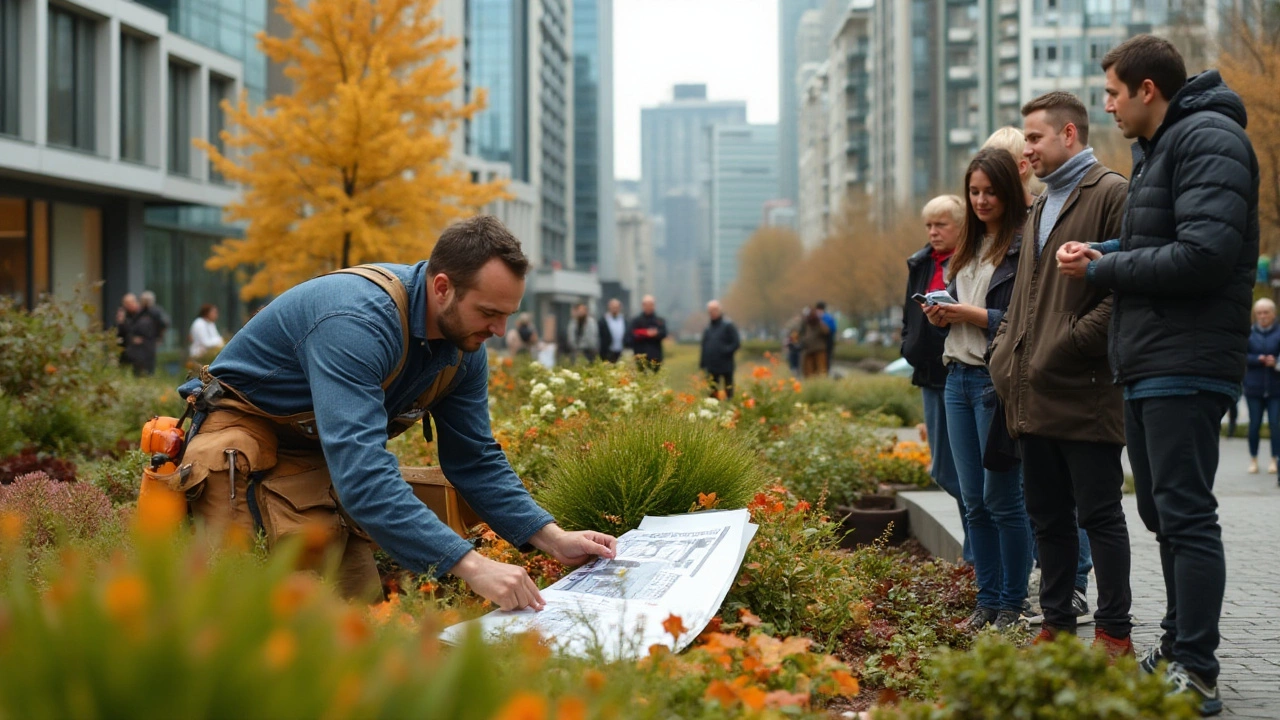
(677, 565)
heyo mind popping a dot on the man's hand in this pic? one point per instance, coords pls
(1074, 258)
(507, 586)
(574, 548)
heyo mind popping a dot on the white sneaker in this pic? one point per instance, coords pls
(1253, 466)
(1272, 467)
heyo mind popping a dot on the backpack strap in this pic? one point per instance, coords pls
(393, 286)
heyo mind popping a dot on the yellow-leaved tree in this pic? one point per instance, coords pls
(354, 165)
(1250, 66)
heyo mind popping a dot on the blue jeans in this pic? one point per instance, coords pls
(1256, 407)
(944, 467)
(999, 530)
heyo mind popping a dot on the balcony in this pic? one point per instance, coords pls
(1008, 50)
(961, 35)
(1009, 74)
(961, 136)
(1008, 8)
(1008, 96)
(962, 73)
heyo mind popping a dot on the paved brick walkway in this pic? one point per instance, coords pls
(1249, 511)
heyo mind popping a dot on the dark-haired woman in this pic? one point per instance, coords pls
(981, 276)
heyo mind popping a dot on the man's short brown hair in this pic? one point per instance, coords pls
(1062, 108)
(466, 246)
(1147, 57)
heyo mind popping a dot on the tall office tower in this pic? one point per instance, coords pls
(790, 13)
(813, 213)
(521, 52)
(743, 164)
(849, 108)
(594, 202)
(99, 182)
(673, 164)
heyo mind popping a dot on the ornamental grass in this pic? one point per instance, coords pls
(613, 476)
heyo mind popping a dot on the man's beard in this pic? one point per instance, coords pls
(450, 324)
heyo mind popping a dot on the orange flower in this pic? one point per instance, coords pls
(802, 506)
(11, 524)
(290, 594)
(524, 706)
(752, 696)
(795, 386)
(707, 500)
(748, 618)
(674, 626)
(722, 692)
(594, 679)
(571, 708)
(782, 699)
(750, 403)
(50, 368)
(381, 613)
(126, 598)
(670, 447)
(280, 649)
(761, 372)
(352, 629)
(846, 684)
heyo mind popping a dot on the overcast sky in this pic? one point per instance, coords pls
(731, 45)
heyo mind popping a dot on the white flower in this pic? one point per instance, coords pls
(574, 376)
(537, 365)
(539, 388)
(705, 413)
(711, 402)
(693, 416)
(579, 404)
(526, 409)
(548, 409)
(557, 381)
(570, 411)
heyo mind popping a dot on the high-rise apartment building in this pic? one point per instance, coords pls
(790, 13)
(99, 182)
(743, 165)
(594, 245)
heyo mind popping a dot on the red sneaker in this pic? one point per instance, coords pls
(1044, 636)
(1115, 647)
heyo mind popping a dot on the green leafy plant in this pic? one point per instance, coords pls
(862, 393)
(609, 478)
(1062, 679)
(825, 455)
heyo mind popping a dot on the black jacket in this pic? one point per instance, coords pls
(650, 347)
(606, 337)
(719, 343)
(921, 343)
(1183, 279)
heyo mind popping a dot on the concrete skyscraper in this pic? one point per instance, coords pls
(789, 16)
(594, 203)
(743, 166)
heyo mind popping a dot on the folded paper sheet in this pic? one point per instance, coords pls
(678, 565)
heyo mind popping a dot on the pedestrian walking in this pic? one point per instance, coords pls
(719, 343)
(814, 334)
(1182, 271)
(584, 335)
(647, 333)
(137, 331)
(612, 331)
(1262, 382)
(203, 338)
(981, 274)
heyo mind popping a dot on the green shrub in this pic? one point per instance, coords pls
(119, 477)
(826, 455)
(609, 478)
(850, 352)
(861, 393)
(1062, 679)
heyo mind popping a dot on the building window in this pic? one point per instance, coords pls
(132, 98)
(10, 82)
(179, 119)
(219, 90)
(72, 110)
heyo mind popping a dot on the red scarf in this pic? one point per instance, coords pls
(938, 282)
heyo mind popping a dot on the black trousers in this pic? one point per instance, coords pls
(610, 356)
(1069, 481)
(721, 381)
(1173, 447)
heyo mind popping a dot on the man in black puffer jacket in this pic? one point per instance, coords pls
(1182, 271)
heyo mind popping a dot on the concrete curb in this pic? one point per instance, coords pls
(935, 522)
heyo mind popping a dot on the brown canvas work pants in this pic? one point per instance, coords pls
(262, 474)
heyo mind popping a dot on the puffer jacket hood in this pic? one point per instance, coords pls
(1206, 91)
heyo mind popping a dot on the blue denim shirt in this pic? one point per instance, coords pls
(327, 345)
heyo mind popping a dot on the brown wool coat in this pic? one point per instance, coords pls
(1049, 356)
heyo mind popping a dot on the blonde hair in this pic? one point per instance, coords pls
(1011, 139)
(944, 205)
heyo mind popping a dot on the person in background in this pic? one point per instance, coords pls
(922, 345)
(981, 273)
(814, 334)
(584, 335)
(1183, 273)
(647, 333)
(1049, 365)
(1011, 138)
(612, 332)
(830, 321)
(137, 331)
(1262, 381)
(719, 343)
(204, 336)
(522, 340)
(792, 344)
(149, 306)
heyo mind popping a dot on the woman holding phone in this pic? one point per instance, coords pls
(981, 274)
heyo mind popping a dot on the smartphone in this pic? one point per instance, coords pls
(921, 299)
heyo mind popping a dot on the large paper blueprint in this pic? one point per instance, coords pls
(677, 565)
